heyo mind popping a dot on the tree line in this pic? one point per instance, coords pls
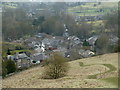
(17, 24)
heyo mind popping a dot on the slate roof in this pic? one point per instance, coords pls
(74, 40)
(92, 40)
(62, 50)
(20, 56)
(86, 53)
(50, 41)
(39, 56)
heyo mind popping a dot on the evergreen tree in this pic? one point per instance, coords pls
(86, 43)
(10, 66)
(8, 52)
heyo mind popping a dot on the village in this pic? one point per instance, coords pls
(59, 44)
(44, 45)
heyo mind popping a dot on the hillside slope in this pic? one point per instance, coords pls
(83, 73)
(92, 9)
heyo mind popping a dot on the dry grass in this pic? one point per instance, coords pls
(77, 76)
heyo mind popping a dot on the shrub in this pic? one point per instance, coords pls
(10, 66)
(19, 48)
(4, 70)
(8, 52)
(86, 43)
(56, 68)
(117, 48)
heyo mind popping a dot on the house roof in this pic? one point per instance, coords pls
(39, 56)
(50, 41)
(20, 56)
(92, 39)
(86, 53)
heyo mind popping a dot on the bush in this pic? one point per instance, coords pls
(19, 48)
(4, 70)
(117, 48)
(10, 66)
(8, 52)
(86, 43)
(56, 68)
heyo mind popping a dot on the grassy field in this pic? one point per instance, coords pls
(112, 80)
(8, 5)
(103, 67)
(92, 9)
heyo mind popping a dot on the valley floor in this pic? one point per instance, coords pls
(93, 72)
